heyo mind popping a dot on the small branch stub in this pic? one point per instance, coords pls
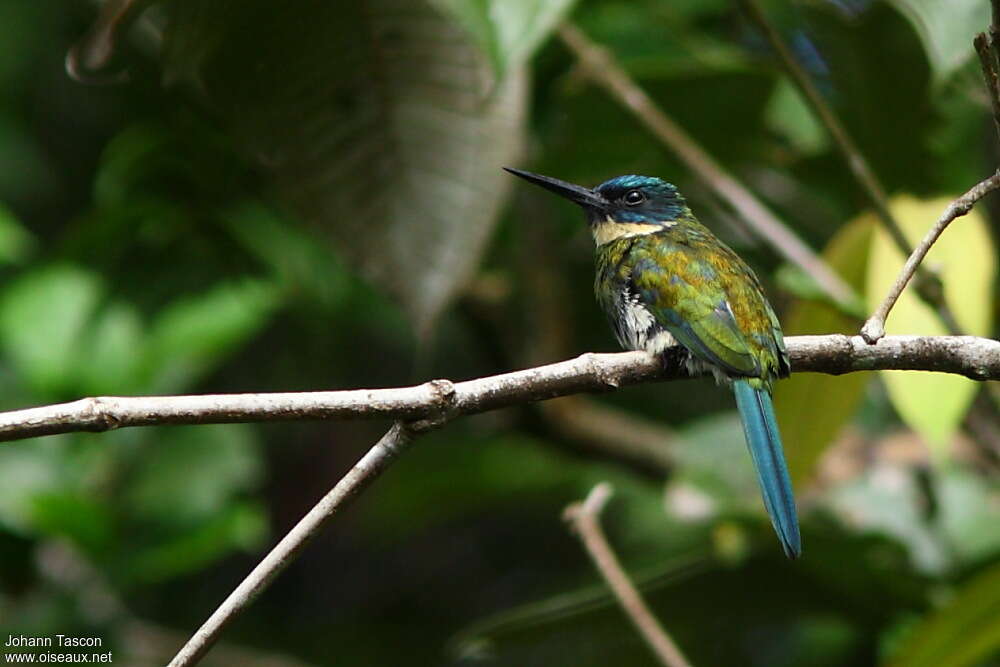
(874, 328)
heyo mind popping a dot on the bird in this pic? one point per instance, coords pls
(664, 279)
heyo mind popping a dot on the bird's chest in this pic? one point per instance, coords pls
(635, 325)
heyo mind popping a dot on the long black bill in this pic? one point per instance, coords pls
(582, 196)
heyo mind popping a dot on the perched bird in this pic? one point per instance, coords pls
(664, 279)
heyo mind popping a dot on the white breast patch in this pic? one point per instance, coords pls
(642, 330)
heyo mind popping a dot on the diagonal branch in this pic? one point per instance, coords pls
(584, 518)
(288, 549)
(605, 71)
(975, 358)
(927, 285)
(874, 328)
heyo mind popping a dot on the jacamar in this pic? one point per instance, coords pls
(664, 279)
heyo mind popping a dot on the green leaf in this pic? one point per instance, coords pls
(933, 404)
(42, 317)
(788, 115)
(946, 29)
(964, 631)
(16, 243)
(110, 353)
(80, 518)
(508, 31)
(242, 526)
(27, 470)
(193, 472)
(190, 337)
(813, 407)
(385, 128)
(297, 259)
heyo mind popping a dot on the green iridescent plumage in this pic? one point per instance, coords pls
(663, 278)
(701, 292)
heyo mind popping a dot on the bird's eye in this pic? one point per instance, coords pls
(634, 197)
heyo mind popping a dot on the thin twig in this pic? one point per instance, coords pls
(288, 549)
(988, 62)
(852, 154)
(988, 47)
(585, 520)
(604, 70)
(975, 358)
(874, 328)
(928, 286)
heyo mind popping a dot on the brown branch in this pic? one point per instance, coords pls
(988, 47)
(288, 549)
(988, 62)
(585, 520)
(975, 358)
(874, 328)
(604, 70)
(928, 286)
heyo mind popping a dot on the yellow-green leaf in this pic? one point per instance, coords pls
(813, 407)
(933, 404)
(963, 632)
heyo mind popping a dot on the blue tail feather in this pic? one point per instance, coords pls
(761, 429)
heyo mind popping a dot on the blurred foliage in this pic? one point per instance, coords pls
(307, 195)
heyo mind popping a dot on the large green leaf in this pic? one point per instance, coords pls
(381, 121)
(934, 404)
(42, 316)
(965, 631)
(507, 30)
(189, 337)
(946, 29)
(193, 472)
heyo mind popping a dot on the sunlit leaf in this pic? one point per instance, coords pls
(934, 404)
(964, 631)
(382, 122)
(813, 407)
(42, 316)
(946, 29)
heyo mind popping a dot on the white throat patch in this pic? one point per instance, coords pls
(606, 231)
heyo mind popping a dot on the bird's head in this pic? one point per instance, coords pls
(624, 205)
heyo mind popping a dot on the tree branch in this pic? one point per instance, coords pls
(975, 358)
(603, 69)
(287, 550)
(988, 47)
(585, 520)
(874, 328)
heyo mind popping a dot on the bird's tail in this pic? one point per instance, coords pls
(764, 441)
